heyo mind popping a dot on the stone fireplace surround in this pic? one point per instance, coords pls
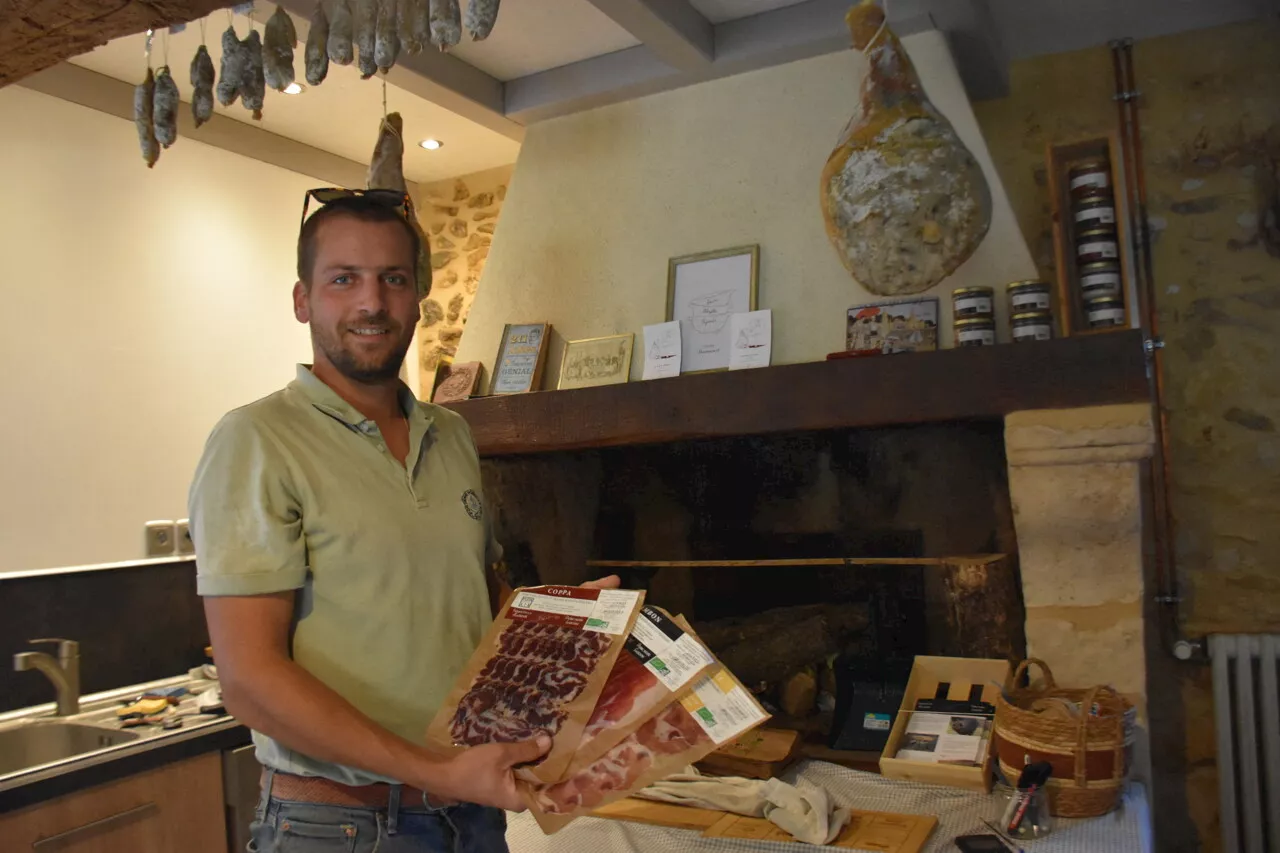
(1077, 433)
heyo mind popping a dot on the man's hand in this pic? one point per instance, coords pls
(611, 582)
(482, 774)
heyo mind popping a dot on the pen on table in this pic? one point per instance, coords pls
(1008, 845)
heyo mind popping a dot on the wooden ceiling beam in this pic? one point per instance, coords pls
(38, 34)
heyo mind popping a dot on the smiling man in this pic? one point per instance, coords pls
(342, 546)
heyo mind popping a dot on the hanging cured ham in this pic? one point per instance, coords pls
(904, 200)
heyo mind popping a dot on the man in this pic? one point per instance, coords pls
(341, 548)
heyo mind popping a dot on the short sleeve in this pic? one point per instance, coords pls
(246, 521)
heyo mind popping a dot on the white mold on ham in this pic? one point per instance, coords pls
(904, 201)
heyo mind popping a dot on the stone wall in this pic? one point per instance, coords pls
(1211, 134)
(461, 216)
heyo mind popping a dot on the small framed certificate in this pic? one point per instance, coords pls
(521, 357)
(703, 292)
(596, 361)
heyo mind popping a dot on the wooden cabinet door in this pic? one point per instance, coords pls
(175, 807)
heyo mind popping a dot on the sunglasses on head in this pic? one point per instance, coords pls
(393, 199)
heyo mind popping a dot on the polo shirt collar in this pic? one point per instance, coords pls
(324, 398)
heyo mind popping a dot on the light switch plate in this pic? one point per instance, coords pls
(161, 540)
(185, 544)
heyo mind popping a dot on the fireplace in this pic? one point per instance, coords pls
(979, 503)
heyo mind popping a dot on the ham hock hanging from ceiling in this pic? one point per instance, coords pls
(905, 202)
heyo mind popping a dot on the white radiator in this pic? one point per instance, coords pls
(1247, 711)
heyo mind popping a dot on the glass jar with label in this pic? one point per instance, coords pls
(973, 302)
(1095, 210)
(1105, 312)
(975, 332)
(1088, 175)
(1031, 326)
(1099, 280)
(1097, 244)
(1030, 295)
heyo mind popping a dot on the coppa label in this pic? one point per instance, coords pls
(604, 610)
(722, 707)
(673, 656)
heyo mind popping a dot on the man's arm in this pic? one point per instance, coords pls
(270, 693)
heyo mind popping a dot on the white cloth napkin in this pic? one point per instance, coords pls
(807, 814)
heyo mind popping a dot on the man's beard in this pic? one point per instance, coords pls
(349, 364)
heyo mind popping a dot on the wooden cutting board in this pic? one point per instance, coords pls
(882, 832)
(761, 753)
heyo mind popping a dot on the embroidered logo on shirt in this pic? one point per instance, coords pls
(471, 503)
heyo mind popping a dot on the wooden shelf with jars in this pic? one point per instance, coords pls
(1091, 237)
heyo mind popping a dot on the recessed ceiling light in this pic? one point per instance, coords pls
(431, 144)
(293, 89)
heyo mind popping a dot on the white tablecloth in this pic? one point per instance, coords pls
(1125, 830)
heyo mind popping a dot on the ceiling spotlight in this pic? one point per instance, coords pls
(431, 144)
(293, 89)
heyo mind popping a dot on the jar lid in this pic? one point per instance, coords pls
(1099, 266)
(1104, 302)
(1090, 164)
(1033, 315)
(1096, 232)
(1029, 282)
(1098, 198)
(964, 291)
(974, 321)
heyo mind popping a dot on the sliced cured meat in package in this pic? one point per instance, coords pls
(659, 663)
(717, 710)
(540, 668)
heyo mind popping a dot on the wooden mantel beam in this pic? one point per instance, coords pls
(36, 34)
(978, 383)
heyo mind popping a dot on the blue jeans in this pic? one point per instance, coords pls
(288, 827)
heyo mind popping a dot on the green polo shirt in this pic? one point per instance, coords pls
(298, 491)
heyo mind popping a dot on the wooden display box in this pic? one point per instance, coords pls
(761, 753)
(926, 674)
(1069, 310)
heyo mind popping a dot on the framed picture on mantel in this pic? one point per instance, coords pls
(596, 361)
(703, 292)
(521, 357)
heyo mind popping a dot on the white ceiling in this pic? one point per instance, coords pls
(534, 35)
(719, 11)
(341, 116)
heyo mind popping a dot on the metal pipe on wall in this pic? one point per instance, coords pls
(1167, 596)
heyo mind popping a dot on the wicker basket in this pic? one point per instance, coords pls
(1090, 753)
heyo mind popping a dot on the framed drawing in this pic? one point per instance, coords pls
(596, 361)
(891, 327)
(458, 382)
(521, 357)
(703, 291)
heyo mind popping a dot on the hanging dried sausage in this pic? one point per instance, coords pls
(366, 34)
(446, 23)
(253, 86)
(231, 75)
(201, 85)
(143, 104)
(341, 33)
(164, 111)
(316, 54)
(387, 37)
(279, 40)
(481, 16)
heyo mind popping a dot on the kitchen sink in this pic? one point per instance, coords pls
(37, 743)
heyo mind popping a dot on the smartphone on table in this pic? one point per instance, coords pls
(981, 844)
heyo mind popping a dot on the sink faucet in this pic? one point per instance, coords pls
(63, 672)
